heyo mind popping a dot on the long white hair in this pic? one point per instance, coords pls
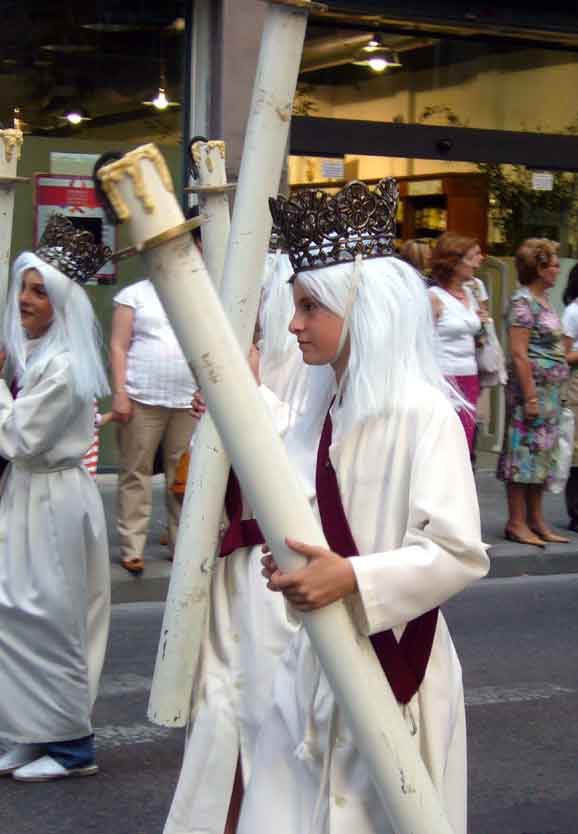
(281, 364)
(389, 321)
(74, 329)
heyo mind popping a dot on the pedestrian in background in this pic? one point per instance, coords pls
(458, 319)
(570, 329)
(54, 564)
(537, 370)
(153, 387)
(417, 253)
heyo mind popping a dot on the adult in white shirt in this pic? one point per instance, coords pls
(458, 320)
(570, 330)
(153, 387)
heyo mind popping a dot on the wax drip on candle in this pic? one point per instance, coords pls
(131, 165)
(207, 147)
(12, 139)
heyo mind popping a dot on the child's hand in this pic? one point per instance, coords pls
(327, 577)
(254, 357)
(198, 406)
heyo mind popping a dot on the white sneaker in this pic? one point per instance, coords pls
(46, 769)
(19, 755)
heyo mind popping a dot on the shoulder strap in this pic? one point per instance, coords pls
(403, 663)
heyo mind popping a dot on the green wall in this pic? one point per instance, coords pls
(36, 160)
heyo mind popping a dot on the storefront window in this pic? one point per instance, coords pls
(456, 82)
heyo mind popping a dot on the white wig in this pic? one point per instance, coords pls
(74, 329)
(388, 316)
(281, 363)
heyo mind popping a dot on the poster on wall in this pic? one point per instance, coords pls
(75, 197)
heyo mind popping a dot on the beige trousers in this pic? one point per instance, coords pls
(150, 427)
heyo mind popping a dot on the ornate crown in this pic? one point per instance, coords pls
(322, 230)
(71, 250)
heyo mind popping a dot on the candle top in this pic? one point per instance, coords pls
(131, 166)
(12, 139)
(207, 147)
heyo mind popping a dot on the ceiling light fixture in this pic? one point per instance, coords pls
(75, 116)
(377, 56)
(161, 101)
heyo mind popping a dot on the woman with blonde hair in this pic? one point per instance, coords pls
(537, 370)
(417, 253)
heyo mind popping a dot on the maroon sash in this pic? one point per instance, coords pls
(403, 663)
(240, 532)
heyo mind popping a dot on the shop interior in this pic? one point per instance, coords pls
(80, 79)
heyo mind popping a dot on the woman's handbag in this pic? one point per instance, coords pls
(563, 456)
(490, 357)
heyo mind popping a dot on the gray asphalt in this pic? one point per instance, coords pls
(517, 642)
(507, 558)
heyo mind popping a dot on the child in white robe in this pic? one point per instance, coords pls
(401, 471)
(54, 564)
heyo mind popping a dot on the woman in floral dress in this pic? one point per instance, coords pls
(537, 370)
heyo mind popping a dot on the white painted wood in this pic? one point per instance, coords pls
(187, 604)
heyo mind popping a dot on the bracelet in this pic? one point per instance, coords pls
(531, 399)
(121, 390)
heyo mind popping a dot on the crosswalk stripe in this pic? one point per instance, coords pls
(111, 736)
(485, 695)
(122, 685)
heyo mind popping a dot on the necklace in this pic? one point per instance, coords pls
(459, 294)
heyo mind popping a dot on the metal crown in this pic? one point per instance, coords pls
(321, 230)
(71, 250)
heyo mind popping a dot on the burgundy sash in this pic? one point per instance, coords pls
(404, 663)
(240, 533)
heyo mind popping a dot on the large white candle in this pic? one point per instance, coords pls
(187, 603)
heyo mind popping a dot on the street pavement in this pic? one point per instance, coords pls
(516, 639)
(507, 558)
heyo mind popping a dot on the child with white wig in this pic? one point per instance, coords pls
(383, 459)
(54, 565)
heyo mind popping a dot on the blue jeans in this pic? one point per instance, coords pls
(71, 754)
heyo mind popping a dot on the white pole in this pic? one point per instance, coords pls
(187, 604)
(137, 185)
(213, 205)
(262, 163)
(263, 158)
(10, 146)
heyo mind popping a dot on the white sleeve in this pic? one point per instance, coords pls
(30, 424)
(570, 321)
(442, 551)
(127, 296)
(280, 411)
